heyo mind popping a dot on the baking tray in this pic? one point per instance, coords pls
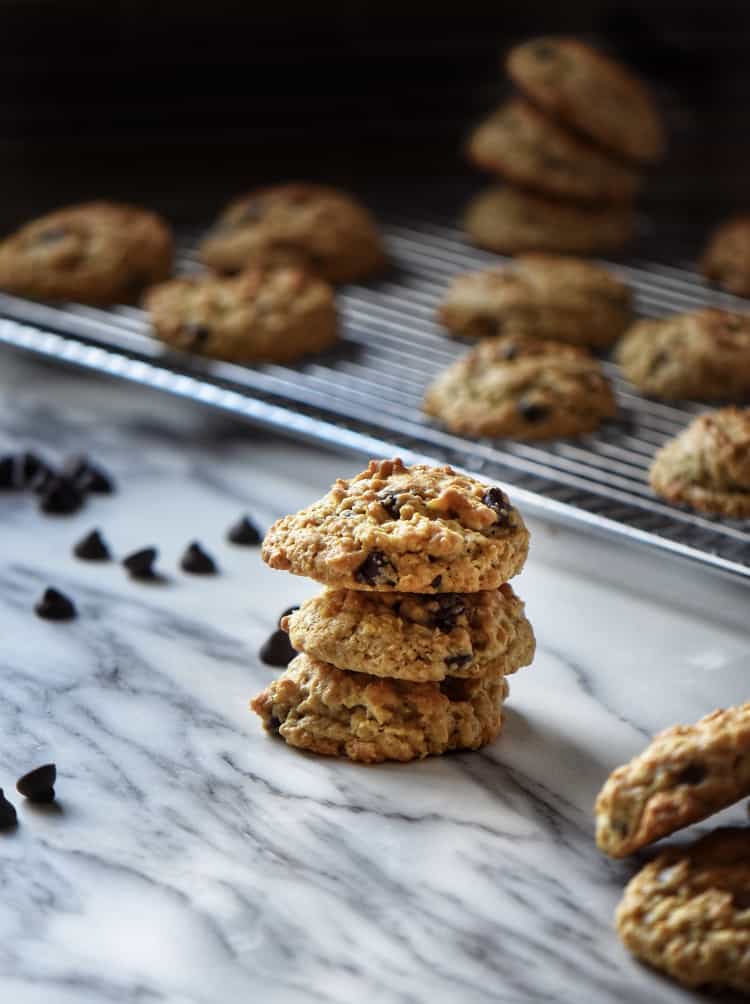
(364, 396)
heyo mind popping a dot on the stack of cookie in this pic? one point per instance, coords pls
(571, 149)
(406, 651)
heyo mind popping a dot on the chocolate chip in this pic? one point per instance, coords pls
(391, 506)
(8, 816)
(196, 335)
(88, 477)
(450, 606)
(244, 532)
(741, 899)
(289, 610)
(458, 660)
(92, 548)
(7, 473)
(497, 500)
(436, 582)
(60, 496)
(41, 482)
(39, 784)
(51, 235)
(277, 650)
(374, 570)
(30, 467)
(140, 564)
(55, 606)
(274, 724)
(530, 411)
(694, 773)
(196, 561)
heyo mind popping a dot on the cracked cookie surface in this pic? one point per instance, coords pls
(703, 355)
(413, 529)
(412, 636)
(532, 151)
(312, 226)
(272, 314)
(687, 912)
(687, 773)
(707, 465)
(522, 388)
(543, 295)
(320, 708)
(96, 252)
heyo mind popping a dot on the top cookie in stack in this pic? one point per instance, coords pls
(570, 148)
(405, 653)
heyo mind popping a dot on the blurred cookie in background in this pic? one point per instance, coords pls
(726, 258)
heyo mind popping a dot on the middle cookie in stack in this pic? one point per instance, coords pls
(406, 653)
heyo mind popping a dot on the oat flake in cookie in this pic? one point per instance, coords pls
(320, 228)
(98, 252)
(412, 529)
(317, 707)
(412, 636)
(687, 912)
(687, 773)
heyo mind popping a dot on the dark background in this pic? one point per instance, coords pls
(181, 106)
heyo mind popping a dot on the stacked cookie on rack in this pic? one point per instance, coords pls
(406, 651)
(570, 150)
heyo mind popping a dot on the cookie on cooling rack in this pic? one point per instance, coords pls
(319, 228)
(522, 388)
(727, 256)
(532, 151)
(263, 314)
(703, 355)
(320, 708)
(707, 466)
(548, 296)
(505, 219)
(97, 252)
(595, 95)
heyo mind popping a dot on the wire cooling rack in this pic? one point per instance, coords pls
(364, 395)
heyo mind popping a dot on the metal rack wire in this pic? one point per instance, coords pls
(365, 395)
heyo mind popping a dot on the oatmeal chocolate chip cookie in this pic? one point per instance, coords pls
(272, 314)
(708, 465)
(548, 296)
(313, 226)
(727, 256)
(530, 150)
(412, 636)
(522, 388)
(595, 95)
(98, 252)
(318, 707)
(687, 912)
(704, 355)
(510, 221)
(686, 773)
(405, 529)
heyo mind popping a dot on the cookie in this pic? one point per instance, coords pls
(686, 773)
(727, 256)
(531, 151)
(412, 636)
(320, 708)
(97, 252)
(271, 314)
(707, 466)
(596, 96)
(522, 388)
(687, 912)
(703, 355)
(406, 529)
(548, 296)
(510, 221)
(312, 226)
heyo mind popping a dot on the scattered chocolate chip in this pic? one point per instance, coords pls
(244, 532)
(8, 816)
(92, 548)
(274, 724)
(277, 649)
(497, 500)
(42, 480)
(289, 610)
(88, 477)
(39, 784)
(60, 496)
(391, 506)
(436, 582)
(55, 606)
(140, 564)
(30, 467)
(532, 412)
(7, 473)
(450, 606)
(196, 561)
(374, 570)
(458, 660)
(694, 773)
(196, 335)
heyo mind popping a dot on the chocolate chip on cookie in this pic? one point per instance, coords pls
(92, 547)
(55, 606)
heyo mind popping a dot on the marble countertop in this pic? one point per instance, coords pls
(194, 860)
